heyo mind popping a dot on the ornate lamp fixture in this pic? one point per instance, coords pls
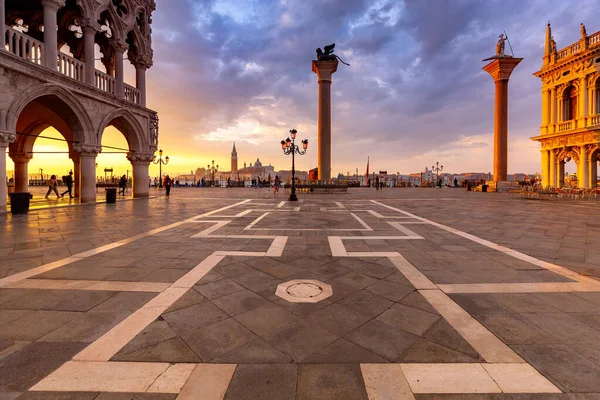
(160, 163)
(289, 147)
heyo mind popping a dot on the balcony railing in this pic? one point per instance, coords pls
(593, 40)
(24, 46)
(565, 126)
(595, 119)
(132, 94)
(27, 48)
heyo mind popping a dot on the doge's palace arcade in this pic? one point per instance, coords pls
(43, 86)
(570, 126)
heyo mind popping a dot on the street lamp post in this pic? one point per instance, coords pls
(212, 169)
(160, 163)
(289, 147)
(437, 168)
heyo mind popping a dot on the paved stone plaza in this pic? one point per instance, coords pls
(238, 294)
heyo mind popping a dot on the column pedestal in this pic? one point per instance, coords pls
(21, 161)
(87, 168)
(500, 69)
(324, 70)
(140, 163)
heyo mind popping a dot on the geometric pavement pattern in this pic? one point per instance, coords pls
(417, 307)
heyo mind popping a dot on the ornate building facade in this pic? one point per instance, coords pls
(570, 128)
(43, 84)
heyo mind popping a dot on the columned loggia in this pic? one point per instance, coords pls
(5, 139)
(140, 163)
(21, 161)
(87, 168)
(51, 8)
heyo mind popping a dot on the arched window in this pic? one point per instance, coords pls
(570, 103)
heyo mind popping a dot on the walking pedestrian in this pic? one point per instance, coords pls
(68, 180)
(122, 185)
(52, 184)
(167, 185)
(276, 185)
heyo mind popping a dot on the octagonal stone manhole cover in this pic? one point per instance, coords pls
(304, 291)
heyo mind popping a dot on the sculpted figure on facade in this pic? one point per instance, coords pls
(552, 45)
(154, 131)
(582, 30)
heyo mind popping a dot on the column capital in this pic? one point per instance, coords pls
(88, 23)
(53, 4)
(140, 158)
(140, 60)
(324, 69)
(89, 150)
(501, 67)
(20, 157)
(119, 45)
(7, 138)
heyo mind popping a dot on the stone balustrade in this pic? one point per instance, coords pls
(105, 82)
(565, 126)
(132, 94)
(595, 119)
(24, 46)
(594, 39)
(71, 67)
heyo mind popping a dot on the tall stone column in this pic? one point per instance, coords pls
(593, 178)
(51, 7)
(140, 163)
(552, 165)
(2, 25)
(87, 168)
(74, 156)
(500, 69)
(120, 48)
(582, 168)
(560, 174)
(5, 139)
(324, 70)
(545, 168)
(90, 27)
(21, 161)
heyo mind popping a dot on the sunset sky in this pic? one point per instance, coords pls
(414, 94)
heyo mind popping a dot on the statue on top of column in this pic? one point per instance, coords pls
(327, 54)
(500, 45)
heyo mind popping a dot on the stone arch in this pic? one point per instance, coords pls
(568, 153)
(128, 125)
(59, 101)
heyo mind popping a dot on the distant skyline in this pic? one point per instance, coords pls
(414, 94)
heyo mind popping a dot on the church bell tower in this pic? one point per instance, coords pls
(234, 166)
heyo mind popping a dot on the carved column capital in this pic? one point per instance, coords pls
(7, 138)
(53, 4)
(140, 158)
(141, 60)
(119, 45)
(20, 157)
(89, 150)
(88, 23)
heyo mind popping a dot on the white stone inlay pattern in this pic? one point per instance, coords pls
(304, 291)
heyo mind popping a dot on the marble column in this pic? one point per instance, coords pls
(120, 47)
(5, 139)
(593, 175)
(582, 168)
(140, 163)
(560, 174)
(51, 7)
(89, 35)
(140, 82)
(500, 69)
(553, 106)
(87, 168)
(545, 168)
(324, 71)
(77, 173)
(2, 25)
(21, 161)
(552, 165)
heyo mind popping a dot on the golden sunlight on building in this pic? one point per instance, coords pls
(570, 128)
